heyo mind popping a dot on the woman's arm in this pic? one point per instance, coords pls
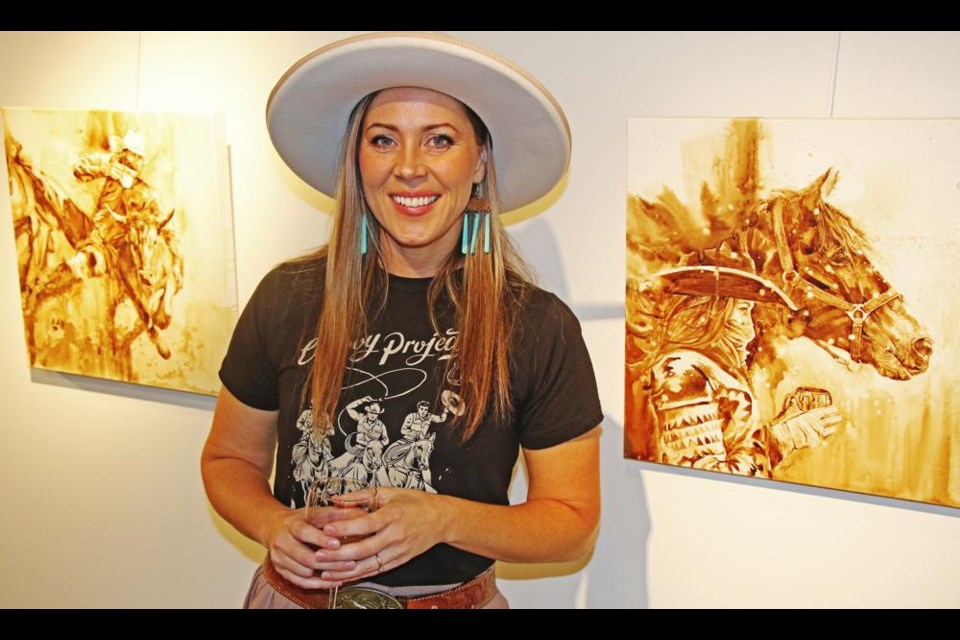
(556, 523)
(236, 463)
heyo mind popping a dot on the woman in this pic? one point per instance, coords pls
(418, 300)
(704, 410)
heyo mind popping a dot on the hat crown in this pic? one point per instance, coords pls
(309, 108)
(135, 141)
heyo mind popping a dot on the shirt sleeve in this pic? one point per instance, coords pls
(249, 370)
(560, 399)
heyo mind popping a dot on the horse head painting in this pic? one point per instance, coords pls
(763, 328)
(100, 214)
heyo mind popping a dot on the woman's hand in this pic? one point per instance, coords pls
(405, 523)
(808, 429)
(292, 542)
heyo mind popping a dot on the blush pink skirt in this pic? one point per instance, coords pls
(262, 595)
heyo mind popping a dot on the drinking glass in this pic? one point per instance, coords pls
(320, 498)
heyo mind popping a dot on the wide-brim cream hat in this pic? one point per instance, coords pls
(308, 110)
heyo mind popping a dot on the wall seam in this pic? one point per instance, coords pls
(139, 66)
(836, 70)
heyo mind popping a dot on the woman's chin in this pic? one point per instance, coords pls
(420, 242)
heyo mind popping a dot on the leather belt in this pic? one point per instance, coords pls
(474, 594)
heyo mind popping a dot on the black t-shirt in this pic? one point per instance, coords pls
(392, 426)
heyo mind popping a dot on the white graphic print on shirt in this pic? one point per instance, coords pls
(369, 456)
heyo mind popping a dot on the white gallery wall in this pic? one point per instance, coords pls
(101, 500)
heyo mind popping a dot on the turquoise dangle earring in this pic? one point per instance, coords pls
(486, 230)
(479, 207)
(363, 234)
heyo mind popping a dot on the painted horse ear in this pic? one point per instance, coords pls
(820, 188)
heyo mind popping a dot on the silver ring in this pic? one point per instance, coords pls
(379, 563)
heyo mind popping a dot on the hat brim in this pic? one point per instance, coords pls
(723, 282)
(308, 110)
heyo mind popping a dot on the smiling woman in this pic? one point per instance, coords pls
(394, 355)
(419, 159)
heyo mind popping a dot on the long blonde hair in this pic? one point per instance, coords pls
(486, 299)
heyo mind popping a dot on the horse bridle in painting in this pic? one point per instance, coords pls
(792, 279)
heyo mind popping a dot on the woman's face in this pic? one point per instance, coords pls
(741, 322)
(419, 158)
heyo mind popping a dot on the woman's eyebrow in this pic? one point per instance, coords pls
(429, 127)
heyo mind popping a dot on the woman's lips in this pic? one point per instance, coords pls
(414, 204)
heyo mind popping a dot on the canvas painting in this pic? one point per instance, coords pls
(124, 239)
(792, 296)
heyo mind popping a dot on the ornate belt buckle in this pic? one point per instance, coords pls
(364, 598)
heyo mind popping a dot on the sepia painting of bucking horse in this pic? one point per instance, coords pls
(101, 251)
(765, 332)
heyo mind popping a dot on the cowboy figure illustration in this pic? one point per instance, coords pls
(371, 432)
(417, 423)
(127, 241)
(312, 453)
(124, 197)
(363, 458)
